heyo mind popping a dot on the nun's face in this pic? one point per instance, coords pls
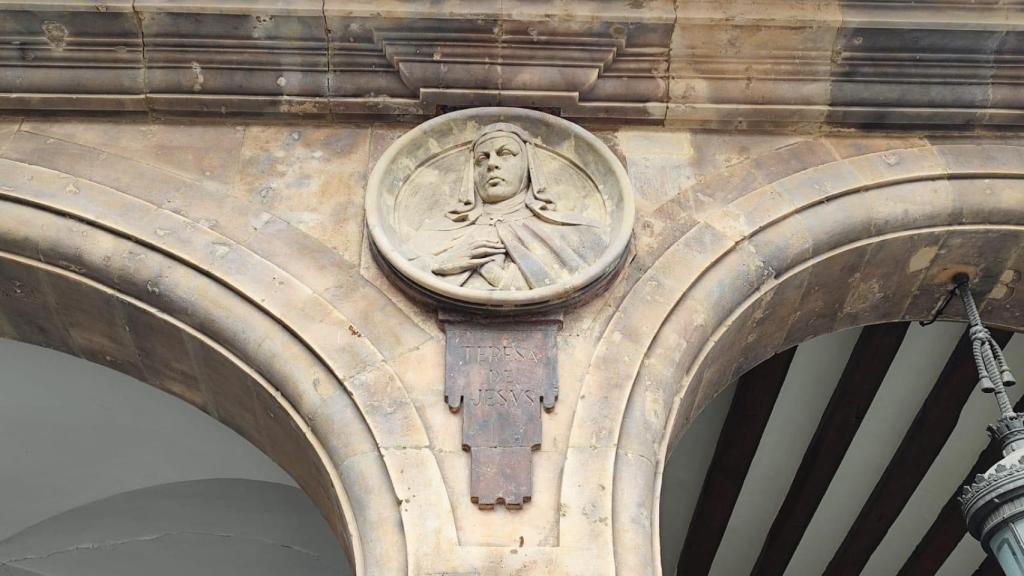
(500, 168)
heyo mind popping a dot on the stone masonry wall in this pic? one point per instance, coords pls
(282, 204)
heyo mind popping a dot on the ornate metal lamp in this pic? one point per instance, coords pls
(994, 503)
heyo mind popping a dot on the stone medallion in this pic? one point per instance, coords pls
(499, 209)
(500, 216)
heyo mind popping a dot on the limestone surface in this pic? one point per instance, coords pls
(227, 263)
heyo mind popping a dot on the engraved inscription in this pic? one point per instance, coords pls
(495, 353)
(500, 376)
(508, 398)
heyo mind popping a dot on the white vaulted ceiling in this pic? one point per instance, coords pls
(103, 475)
(808, 386)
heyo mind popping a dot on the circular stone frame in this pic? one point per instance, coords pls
(441, 135)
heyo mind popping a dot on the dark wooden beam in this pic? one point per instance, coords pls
(756, 393)
(989, 568)
(949, 526)
(865, 370)
(922, 443)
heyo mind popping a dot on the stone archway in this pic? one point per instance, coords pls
(295, 328)
(197, 306)
(859, 241)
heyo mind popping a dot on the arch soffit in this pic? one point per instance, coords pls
(219, 284)
(705, 283)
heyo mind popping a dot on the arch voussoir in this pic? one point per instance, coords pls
(256, 312)
(827, 238)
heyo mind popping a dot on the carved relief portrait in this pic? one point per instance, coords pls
(499, 206)
(506, 231)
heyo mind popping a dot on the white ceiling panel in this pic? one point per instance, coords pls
(682, 484)
(809, 385)
(812, 377)
(906, 385)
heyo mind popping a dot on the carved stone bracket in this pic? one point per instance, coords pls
(610, 68)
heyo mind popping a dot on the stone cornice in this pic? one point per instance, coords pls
(714, 64)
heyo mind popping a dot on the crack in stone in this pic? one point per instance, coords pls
(327, 41)
(22, 569)
(92, 546)
(145, 62)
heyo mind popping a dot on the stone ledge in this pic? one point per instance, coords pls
(315, 58)
(741, 64)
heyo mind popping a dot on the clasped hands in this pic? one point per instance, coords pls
(469, 255)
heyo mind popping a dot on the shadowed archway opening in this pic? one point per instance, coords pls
(863, 241)
(57, 308)
(896, 277)
(842, 455)
(203, 309)
(105, 475)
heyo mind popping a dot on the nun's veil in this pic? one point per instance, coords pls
(469, 206)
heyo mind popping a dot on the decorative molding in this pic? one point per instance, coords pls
(71, 52)
(258, 57)
(701, 64)
(847, 63)
(497, 62)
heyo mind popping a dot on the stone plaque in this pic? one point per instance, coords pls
(501, 376)
(499, 217)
